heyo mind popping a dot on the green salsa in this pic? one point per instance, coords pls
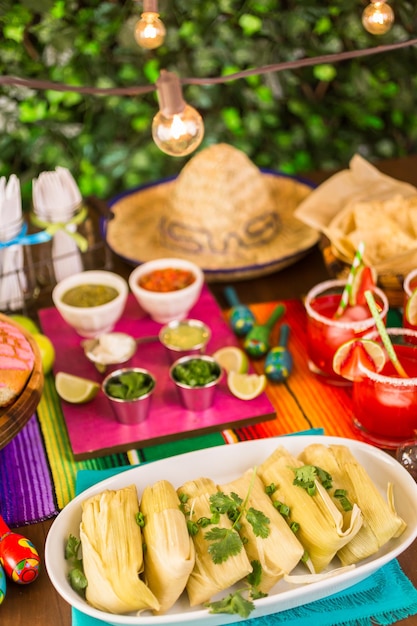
(89, 295)
(185, 337)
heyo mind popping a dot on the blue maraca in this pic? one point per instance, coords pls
(2, 584)
(241, 317)
(278, 361)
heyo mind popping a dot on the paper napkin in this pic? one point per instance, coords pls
(56, 198)
(12, 275)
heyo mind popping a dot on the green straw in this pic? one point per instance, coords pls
(384, 335)
(357, 262)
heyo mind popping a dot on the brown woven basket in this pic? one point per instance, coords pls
(391, 284)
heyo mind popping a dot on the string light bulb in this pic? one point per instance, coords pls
(177, 128)
(378, 17)
(149, 30)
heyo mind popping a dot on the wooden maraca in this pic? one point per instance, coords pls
(278, 362)
(2, 584)
(241, 317)
(18, 556)
(257, 342)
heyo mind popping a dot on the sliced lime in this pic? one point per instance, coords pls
(246, 386)
(75, 389)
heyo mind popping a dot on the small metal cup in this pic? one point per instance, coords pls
(170, 337)
(196, 398)
(134, 411)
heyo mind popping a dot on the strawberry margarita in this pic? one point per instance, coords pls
(384, 404)
(325, 333)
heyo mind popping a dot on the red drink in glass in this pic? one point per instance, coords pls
(384, 404)
(325, 334)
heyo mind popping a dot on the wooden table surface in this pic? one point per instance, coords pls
(38, 603)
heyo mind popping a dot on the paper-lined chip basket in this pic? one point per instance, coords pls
(362, 204)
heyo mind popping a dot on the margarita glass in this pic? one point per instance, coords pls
(409, 285)
(384, 404)
(325, 334)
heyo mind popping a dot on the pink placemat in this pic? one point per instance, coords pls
(92, 428)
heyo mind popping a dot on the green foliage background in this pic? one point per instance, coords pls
(293, 121)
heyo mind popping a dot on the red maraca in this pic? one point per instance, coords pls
(18, 556)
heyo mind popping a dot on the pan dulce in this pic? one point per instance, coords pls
(16, 362)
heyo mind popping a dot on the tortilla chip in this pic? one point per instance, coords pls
(387, 227)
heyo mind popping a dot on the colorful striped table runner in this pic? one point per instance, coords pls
(38, 470)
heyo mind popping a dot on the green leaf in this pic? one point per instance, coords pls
(250, 24)
(76, 575)
(78, 580)
(325, 72)
(306, 475)
(234, 604)
(259, 522)
(255, 577)
(225, 543)
(71, 548)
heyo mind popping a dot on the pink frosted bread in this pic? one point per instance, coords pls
(16, 362)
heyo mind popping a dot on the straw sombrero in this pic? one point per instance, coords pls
(222, 212)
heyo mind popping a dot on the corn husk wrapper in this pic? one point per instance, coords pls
(207, 577)
(381, 522)
(278, 553)
(362, 204)
(169, 555)
(323, 530)
(112, 553)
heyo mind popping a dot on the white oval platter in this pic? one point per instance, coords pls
(223, 464)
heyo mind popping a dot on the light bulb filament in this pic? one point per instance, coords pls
(150, 31)
(178, 128)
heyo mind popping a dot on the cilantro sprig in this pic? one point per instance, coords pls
(77, 578)
(307, 475)
(240, 602)
(229, 541)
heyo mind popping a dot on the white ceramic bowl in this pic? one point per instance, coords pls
(96, 320)
(167, 306)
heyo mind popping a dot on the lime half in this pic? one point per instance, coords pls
(232, 359)
(75, 389)
(351, 355)
(411, 309)
(246, 386)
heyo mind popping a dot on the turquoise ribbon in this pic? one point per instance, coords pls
(23, 239)
(53, 227)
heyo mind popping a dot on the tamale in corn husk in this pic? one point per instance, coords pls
(208, 577)
(169, 550)
(112, 552)
(280, 551)
(322, 530)
(381, 521)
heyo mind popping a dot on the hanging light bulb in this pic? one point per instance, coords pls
(378, 17)
(177, 128)
(150, 31)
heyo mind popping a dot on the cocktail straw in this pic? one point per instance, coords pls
(384, 335)
(357, 261)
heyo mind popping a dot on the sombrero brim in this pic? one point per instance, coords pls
(133, 231)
